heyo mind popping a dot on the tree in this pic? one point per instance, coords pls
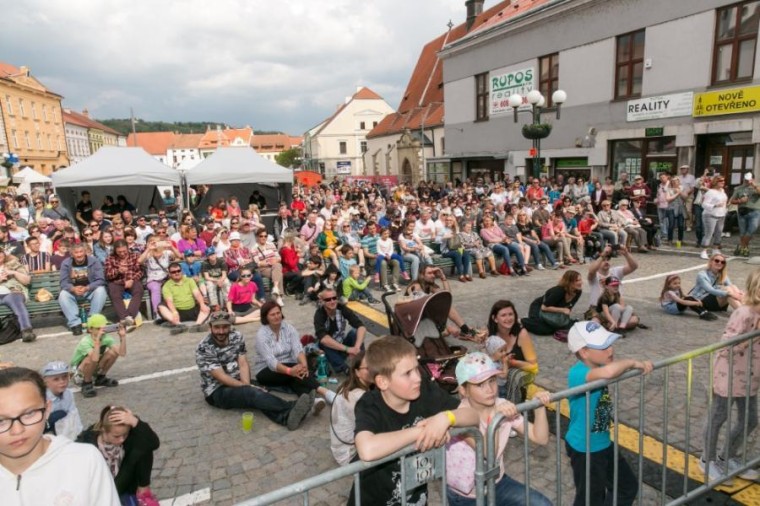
(290, 158)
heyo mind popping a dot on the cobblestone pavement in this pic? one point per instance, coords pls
(203, 447)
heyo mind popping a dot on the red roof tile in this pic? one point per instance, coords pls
(77, 118)
(186, 141)
(213, 139)
(155, 143)
(424, 92)
(274, 143)
(6, 70)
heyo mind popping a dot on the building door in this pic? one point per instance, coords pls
(740, 160)
(406, 171)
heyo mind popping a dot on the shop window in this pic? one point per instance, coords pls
(735, 42)
(645, 157)
(343, 147)
(548, 76)
(481, 97)
(629, 65)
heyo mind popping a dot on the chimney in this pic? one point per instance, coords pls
(85, 113)
(24, 70)
(474, 9)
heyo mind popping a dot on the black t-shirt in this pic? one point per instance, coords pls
(381, 485)
(79, 275)
(555, 297)
(216, 270)
(85, 209)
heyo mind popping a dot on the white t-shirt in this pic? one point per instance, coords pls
(595, 286)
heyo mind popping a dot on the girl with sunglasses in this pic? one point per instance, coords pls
(241, 300)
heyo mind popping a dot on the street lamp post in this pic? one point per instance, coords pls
(536, 130)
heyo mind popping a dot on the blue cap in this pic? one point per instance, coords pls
(188, 253)
(210, 251)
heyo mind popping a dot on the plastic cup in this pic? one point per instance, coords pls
(246, 422)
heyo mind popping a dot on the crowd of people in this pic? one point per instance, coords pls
(337, 243)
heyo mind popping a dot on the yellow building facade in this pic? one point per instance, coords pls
(33, 120)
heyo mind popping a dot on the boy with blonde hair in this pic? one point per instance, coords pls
(403, 409)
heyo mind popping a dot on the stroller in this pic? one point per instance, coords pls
(422, 322)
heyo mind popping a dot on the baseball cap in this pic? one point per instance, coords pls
(54, 368)
(188, 253)
(210, 251)
(235, 236)
(749, 176)
(590, 334)
(220, 318)
(475, 367)
(97, 321)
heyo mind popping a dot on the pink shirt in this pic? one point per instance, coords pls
(742, 320)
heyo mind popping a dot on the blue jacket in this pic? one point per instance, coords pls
(95, 275)
(707, 285)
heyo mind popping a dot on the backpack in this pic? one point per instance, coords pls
(9, 329)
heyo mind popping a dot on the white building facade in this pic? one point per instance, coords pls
(77, 141)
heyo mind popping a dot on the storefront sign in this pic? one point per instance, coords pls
(343, 167)
(654, 132)
(503, 86)
(571, 163)
(662, 106)
(731, 101)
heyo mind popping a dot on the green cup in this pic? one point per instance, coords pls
(246, 422)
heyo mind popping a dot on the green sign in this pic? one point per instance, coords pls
(654, 132)
(569, 163)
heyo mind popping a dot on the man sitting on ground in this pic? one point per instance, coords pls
(182, 302)
(331, 322)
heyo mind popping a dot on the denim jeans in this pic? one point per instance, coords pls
(748, 223)
(508, 491)
(248, 397)
(608, 236)
(504, 250)
(673, 223)
(15, 301)
(699, 228)
(662, 218)
(536, 248)
(70, 304)
(414, 260)
(461, 260)
(336, 358)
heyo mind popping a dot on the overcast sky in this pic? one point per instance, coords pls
(273, 65)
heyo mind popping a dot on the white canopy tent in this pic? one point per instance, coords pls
(239, 171)
(114, 171)
(26, 177)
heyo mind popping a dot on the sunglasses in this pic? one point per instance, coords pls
(262, 235)
(246, 276)
(215, 317)
(719, 261)
(175, 271)
(329, 299)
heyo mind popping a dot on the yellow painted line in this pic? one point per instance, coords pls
(743, 491)
(369, 313)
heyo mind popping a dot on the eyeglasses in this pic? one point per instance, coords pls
(32, 417)
(175, 271)
(246, 276)
(329, 299)
(38, 202)
(719, 261)
(86, 235)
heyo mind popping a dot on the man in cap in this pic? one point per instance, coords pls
(226, 377)
(747, 197)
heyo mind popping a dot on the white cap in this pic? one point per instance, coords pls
(749, 176)
(590, 334)
(234, 236)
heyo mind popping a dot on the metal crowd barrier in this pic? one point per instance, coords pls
(421, 468)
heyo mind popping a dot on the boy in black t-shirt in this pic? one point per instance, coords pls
(404, 409)
(214, 272)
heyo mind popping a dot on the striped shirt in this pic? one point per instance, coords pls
(369, 242)
(271, 351)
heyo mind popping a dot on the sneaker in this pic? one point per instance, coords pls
(279, 301)
(179, 329)
(704, 255)
(376, 278)
(734, 464)
(716, 471)
(28, 335)
(298, 412)
(77, 330)
(678, 244)
(405, 275)
(101, 380)
(555, 266)
(318, 406)
(708, 316)
(88, 389)
(146, 498)
(372, 300)
(198, 328)
(396, 288)
(387, 289)
(129, 321)
(540, 267)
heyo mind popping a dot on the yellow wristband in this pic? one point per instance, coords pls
(452, 418)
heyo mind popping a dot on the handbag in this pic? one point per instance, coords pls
(454, 243)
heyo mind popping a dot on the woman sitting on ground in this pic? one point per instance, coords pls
(280, 359)
(714, 288)
(559, 301)
(510, 346)
(342, 418)
(127, 445)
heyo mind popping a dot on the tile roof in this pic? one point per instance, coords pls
(274, 143)
(7, 70)
(186, 141)
(155, 143)
(508, 12)
(362, 93)
(211, 139)
(424, 92)
(22, 77)
(77, 118)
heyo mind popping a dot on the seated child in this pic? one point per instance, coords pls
(612, 310)
(214, 272)
(96, 353)
(402, 410)
(355, 289)
(61, 254)
(312, 275)
(346, 259)
(331, 279)
(192, 269)
(64, 419)
(476, 374)
(592, 239)
(592, 345)
(241, 301)
(673, 300)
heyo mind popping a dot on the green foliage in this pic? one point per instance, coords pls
(124, 126)
(290, 158)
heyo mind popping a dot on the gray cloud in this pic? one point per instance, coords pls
(272, 64)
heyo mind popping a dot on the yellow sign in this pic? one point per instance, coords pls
(730, 101)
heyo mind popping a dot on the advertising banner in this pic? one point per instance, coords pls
(661, 106)
(731, 101)
(504, 85)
